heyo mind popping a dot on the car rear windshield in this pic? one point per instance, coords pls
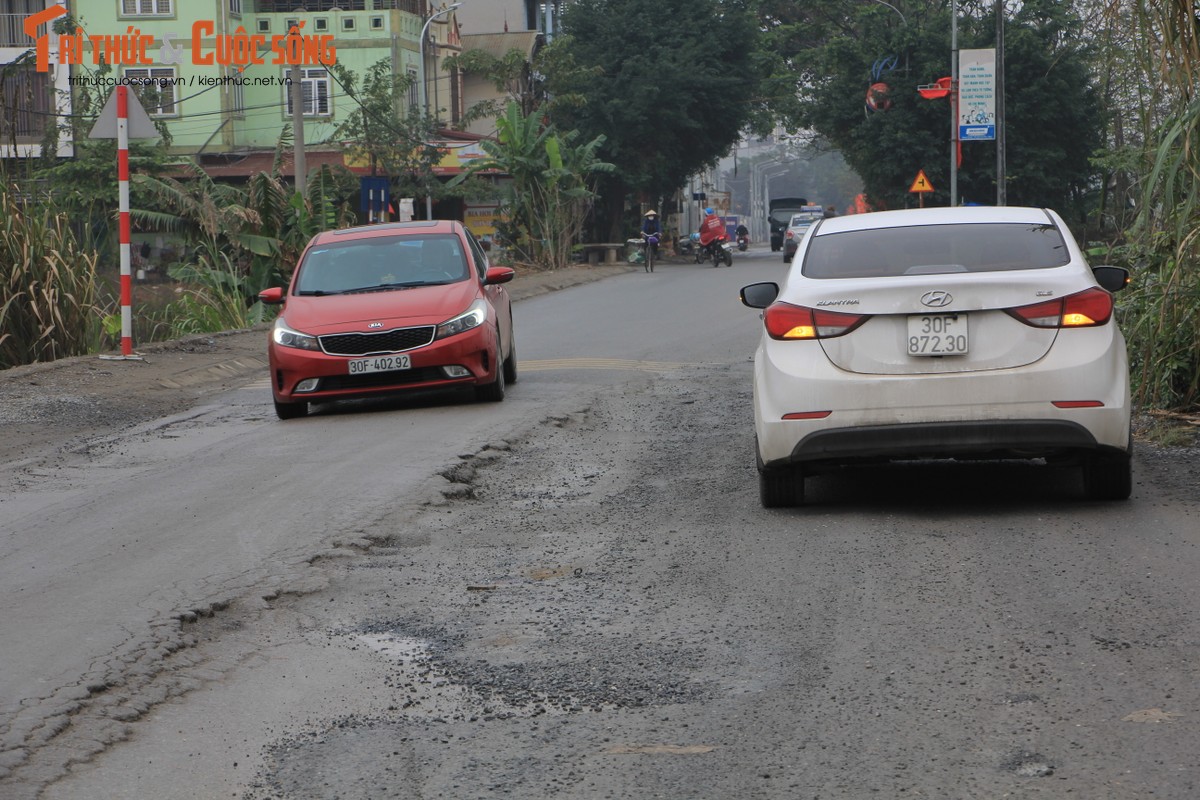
(935, 249)
(380, 263)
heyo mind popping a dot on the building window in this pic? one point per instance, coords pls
(235, 7)
(292, 23)
(147, 8)
(376, 23)
(264, 24)
(314, 84)
(455, 95)
(30, 98)
(414, 89)
(321, 24)
(155, 87)
(349, 23)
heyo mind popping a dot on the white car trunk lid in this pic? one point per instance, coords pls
(922, 325)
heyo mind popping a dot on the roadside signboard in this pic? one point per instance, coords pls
(921, 184)
(977, 95)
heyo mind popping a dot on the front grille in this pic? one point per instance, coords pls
(371, 344)
(378, 380)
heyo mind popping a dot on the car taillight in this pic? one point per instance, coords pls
(789, 235)
(786, 321)
(1081, 310)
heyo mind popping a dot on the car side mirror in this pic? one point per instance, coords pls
(759, 295)
(272, 296)
(1114, 279)
(497, 275)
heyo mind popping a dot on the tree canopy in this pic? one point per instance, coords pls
(667, 82)
(833, 52)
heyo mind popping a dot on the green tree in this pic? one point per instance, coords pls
(237, 241)
(837, 50)
(511, 74)
(551, 186)
(392, 138)
(666, 82)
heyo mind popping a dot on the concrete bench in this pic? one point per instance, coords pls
(610, 251)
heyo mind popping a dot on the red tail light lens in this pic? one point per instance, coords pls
(1084, 309)
(786, 321)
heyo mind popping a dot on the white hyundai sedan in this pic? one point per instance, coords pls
(941, 333)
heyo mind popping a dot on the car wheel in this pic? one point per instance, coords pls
(290, 410)
(510, 364)
(492, 392)
(781, 487)
(1108, 477)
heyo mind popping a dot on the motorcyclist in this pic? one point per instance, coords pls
(742, 232)
(710, 229)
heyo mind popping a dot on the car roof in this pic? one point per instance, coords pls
(938, 216)
(384, 229)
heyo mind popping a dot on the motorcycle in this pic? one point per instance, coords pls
(743, 241)
(719, 249)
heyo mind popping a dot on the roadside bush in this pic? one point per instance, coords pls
(47, 286)
(1161, 318)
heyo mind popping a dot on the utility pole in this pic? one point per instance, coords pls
(954, 102)
(298, 160)
(1001, 180)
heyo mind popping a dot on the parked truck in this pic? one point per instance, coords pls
(779, 214)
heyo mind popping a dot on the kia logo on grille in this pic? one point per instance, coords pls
(937, 299)
(375, 325)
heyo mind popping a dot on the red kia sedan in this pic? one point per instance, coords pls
(390, 308)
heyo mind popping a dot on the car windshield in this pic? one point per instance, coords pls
(935, 249)
(382, 263)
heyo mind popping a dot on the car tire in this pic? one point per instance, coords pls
(781, 487)
(1108, 477)
(492, 392)
(510, 364)
(290, 410)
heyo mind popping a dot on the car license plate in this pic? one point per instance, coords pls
(360, 366)
(937, 335)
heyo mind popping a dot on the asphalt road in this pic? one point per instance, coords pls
(575, 594)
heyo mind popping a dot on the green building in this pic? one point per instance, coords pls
(219, 76)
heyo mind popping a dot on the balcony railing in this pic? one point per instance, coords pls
(290, 6)
(12, 34)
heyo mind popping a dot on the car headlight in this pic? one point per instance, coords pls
(284, 336)
(473, 317)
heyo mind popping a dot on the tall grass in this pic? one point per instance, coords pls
(47, 286)
(1163, 309)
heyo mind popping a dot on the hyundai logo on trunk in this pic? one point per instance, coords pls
(937, 299)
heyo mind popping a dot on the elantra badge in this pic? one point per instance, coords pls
(937, 299)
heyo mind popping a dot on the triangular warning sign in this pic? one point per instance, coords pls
(140, 124)
(921, 184)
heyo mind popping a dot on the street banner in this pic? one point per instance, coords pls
(977, 95)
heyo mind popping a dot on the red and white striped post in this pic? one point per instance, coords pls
(123, 209)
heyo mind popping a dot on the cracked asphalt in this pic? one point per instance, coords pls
(593, 605)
